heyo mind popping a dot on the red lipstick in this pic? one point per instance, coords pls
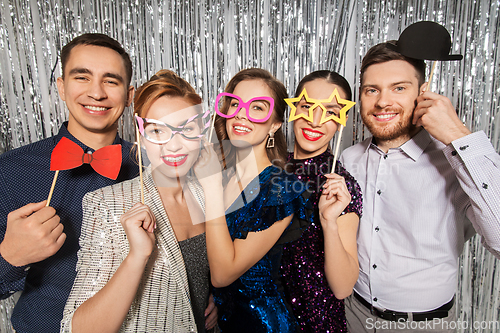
(311, 138)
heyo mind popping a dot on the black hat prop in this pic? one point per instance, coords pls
(425, 40)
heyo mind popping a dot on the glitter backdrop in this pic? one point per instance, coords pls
(208, 41)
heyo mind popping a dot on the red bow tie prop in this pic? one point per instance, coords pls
(105, 161)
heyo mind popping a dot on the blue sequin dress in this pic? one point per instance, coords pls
(255, 302)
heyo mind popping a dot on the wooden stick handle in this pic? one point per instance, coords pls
(52, 188)
(430, 76)
(138, 136)
(211, 128)
(337, 147)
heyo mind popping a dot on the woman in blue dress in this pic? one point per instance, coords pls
(250, 205)
(253, 207)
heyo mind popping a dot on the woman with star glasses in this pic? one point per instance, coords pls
(144, 267)
(321, 268)
(251, 205)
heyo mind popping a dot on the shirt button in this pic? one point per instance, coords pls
(485, 186)
(454, 153)
(374, 266)
(377, 228)
(379, 192)
(464, 147)
(385, 156)
(375, 299)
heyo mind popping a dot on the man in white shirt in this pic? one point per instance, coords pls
(428, 185)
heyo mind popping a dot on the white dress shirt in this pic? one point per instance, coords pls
(418, 204)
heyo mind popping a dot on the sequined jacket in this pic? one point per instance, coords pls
(162, 303)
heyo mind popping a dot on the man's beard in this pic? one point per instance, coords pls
(403, 128)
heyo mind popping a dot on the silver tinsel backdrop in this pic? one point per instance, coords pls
(208, 41)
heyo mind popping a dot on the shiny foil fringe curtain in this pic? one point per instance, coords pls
(207, 42)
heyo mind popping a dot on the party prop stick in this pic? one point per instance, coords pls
(52, 188)
(212, 127)
(430, 76)
(138, 136)
(337, 146)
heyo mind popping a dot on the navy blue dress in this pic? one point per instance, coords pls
(255, 302)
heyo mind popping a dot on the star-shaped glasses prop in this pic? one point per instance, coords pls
(341, 118)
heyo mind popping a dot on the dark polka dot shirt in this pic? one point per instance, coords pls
(25, 177)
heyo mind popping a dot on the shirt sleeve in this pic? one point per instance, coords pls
(477, 166)
(99, 255)
(12, 278)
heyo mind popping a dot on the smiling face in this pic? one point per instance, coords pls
(311, 137)
(94, 89)
(241, 131)
(388, 95)
(175, 158)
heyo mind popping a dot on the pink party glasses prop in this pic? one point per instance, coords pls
(258, 109)
(156, 131)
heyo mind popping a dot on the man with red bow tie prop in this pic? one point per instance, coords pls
(39, 243)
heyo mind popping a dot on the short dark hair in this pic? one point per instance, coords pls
(330, 77)
(380, 53)
(97, 39)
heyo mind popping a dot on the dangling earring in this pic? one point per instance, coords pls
(270, 140)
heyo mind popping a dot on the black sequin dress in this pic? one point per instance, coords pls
(306, 288)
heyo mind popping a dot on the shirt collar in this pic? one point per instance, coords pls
(63, 132)
(413, 147)
(417, 144)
